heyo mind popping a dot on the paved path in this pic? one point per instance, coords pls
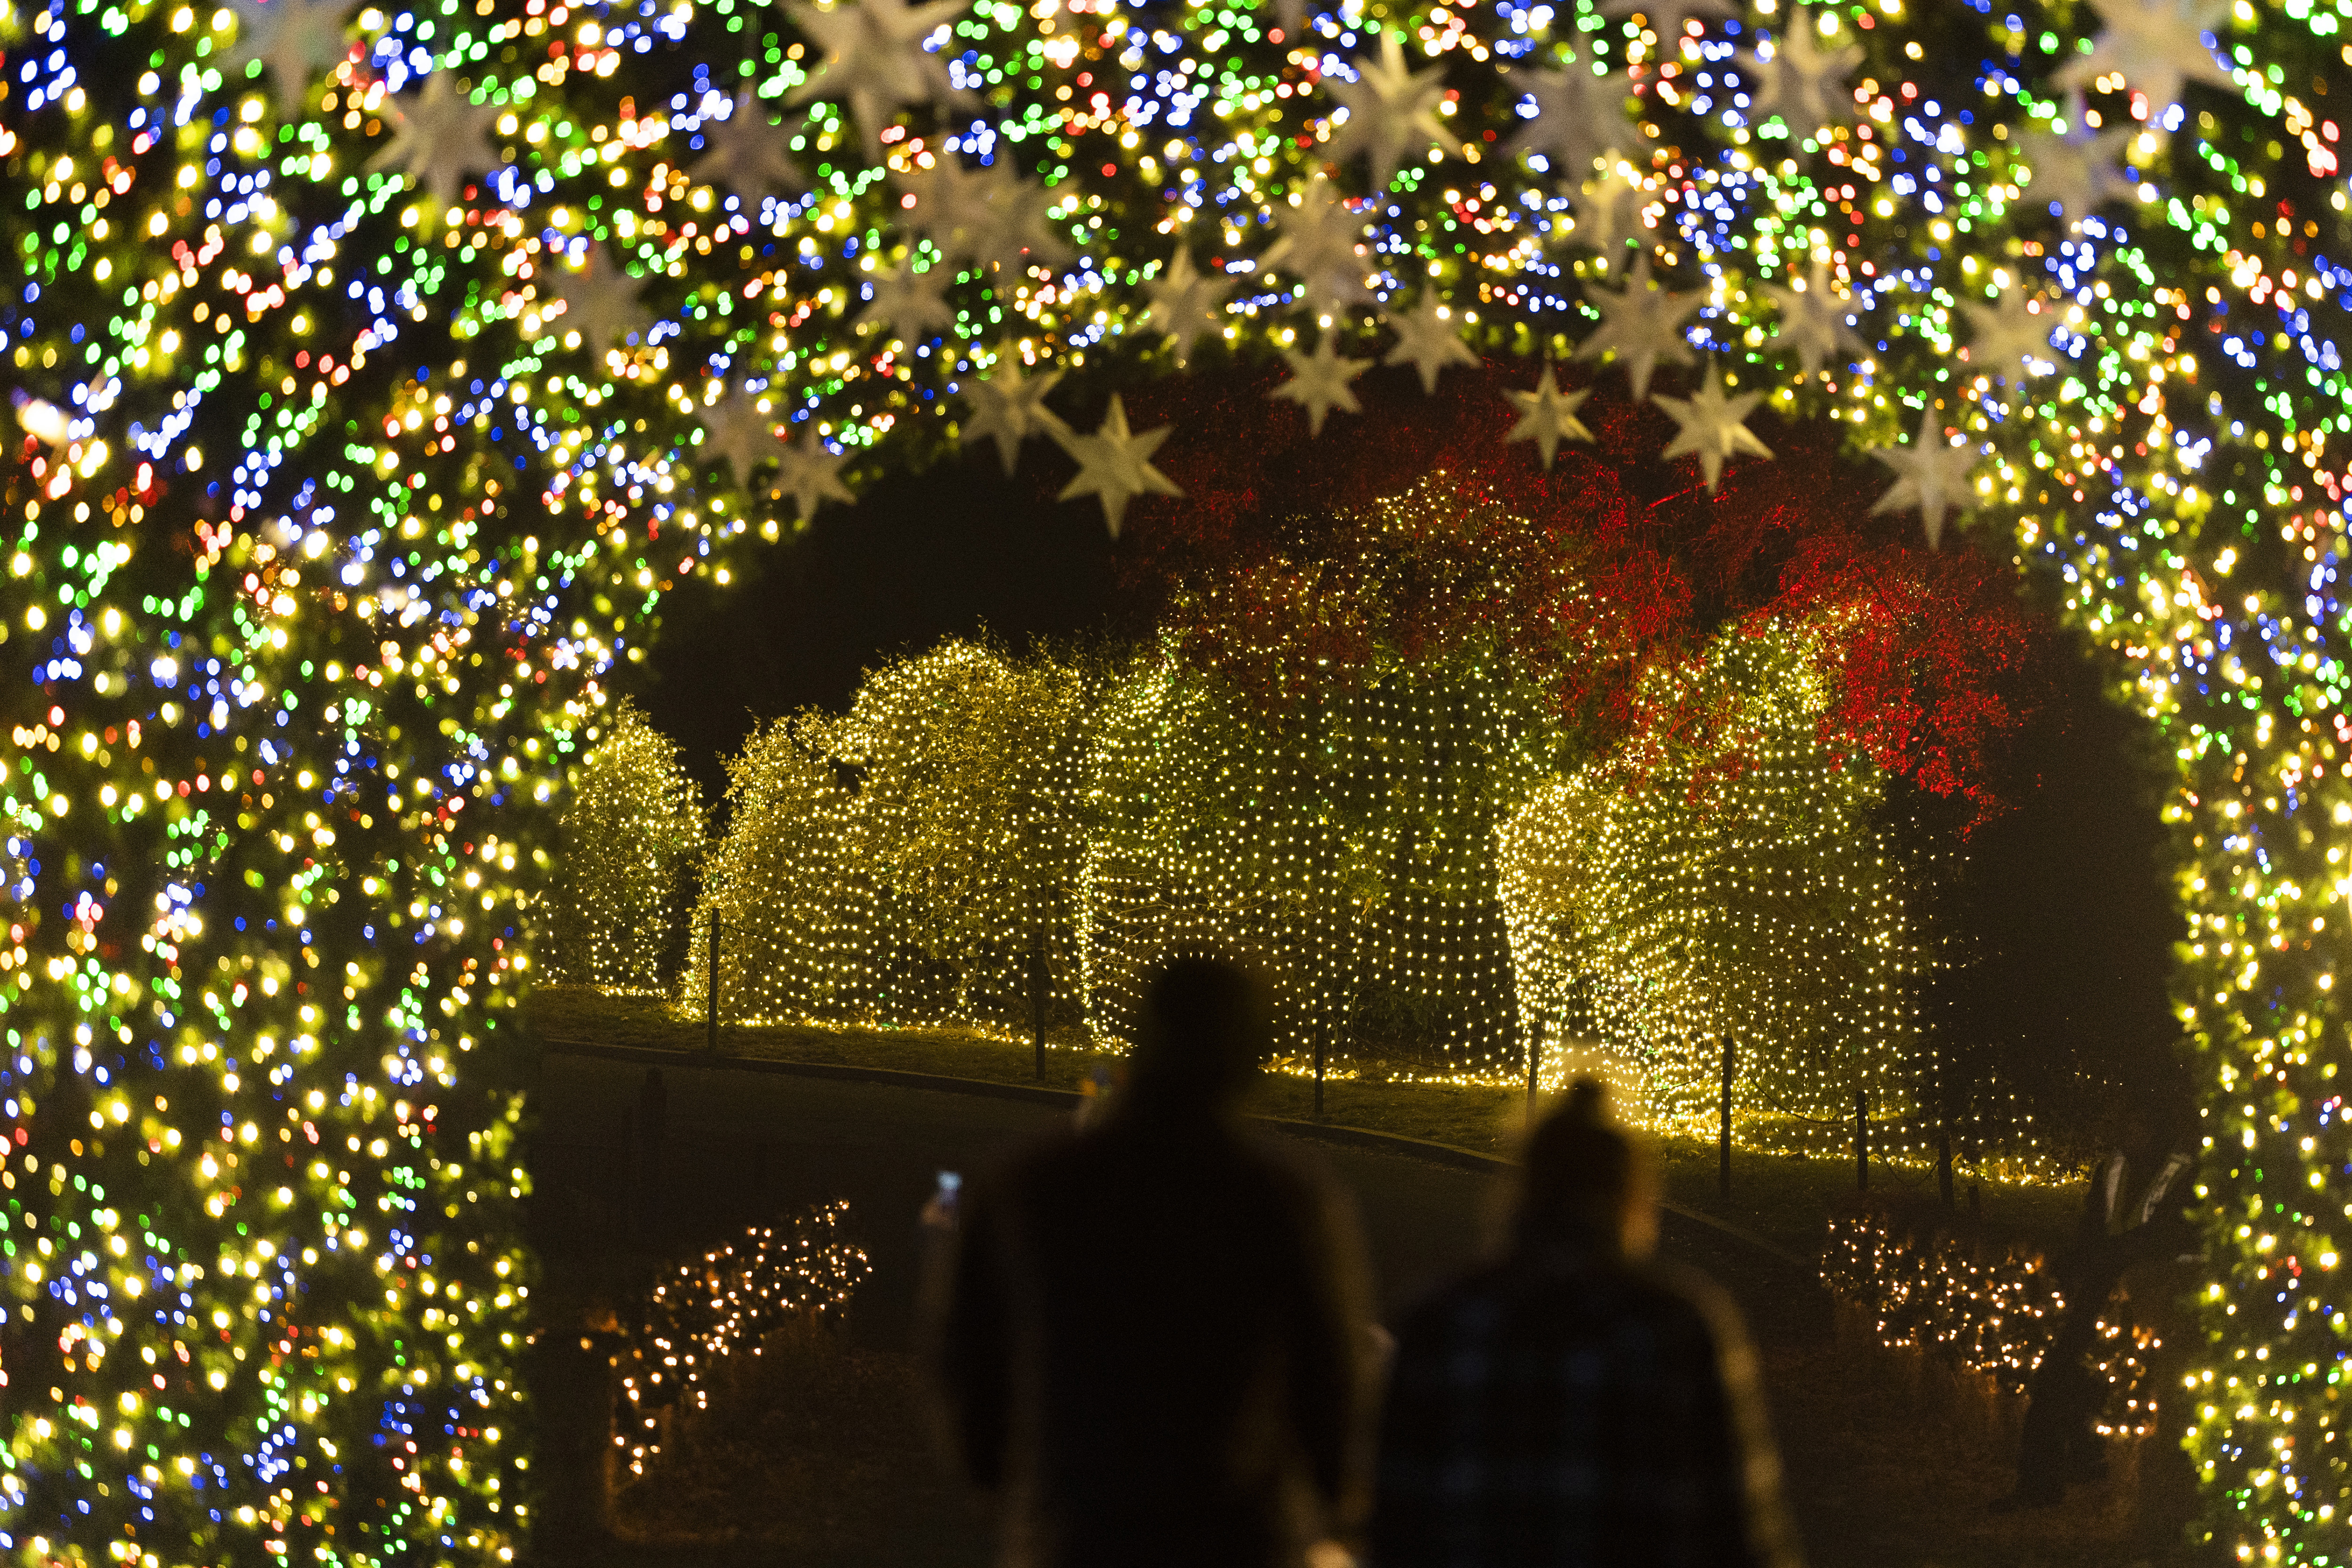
(741, 1147)
(1876, 1478)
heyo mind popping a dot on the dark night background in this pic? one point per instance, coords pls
(953, 550)
(2062, 915)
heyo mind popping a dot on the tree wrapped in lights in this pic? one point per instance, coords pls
(897, 864)
(969, 770)
(632, 833)
(796, 911)
(1348, 849)
(1724, 885)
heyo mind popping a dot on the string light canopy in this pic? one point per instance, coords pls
(368, 366)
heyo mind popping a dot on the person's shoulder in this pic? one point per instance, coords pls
(1677, 1292)
(1474, 1296)
(1044, 1160)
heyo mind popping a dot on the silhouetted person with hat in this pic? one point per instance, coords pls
(1152, 1348)
(1574, 1405)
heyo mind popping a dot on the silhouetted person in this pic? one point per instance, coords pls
(2060, 1442)
(1573, 1403)
(1151, 1350)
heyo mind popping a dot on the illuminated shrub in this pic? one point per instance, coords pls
(893, 866)
(631, 836)
(1728, 882)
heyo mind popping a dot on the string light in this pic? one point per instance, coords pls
(1982, 1311)
(632, 832)
(704, 1314)
(328, 526)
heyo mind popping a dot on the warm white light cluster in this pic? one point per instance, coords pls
(632, 833)
(1981, 1309)
(706, 1313)
(1729, 886)
(1405, 858)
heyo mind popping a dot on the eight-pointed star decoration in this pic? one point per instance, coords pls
(1186, 303)
(1320, 244)
(1609, 215)
(1670, 19)
(1114, 464)
(745, 153)
(600, 302)
(295, 40)
(1580, 117)
(738, 430)
(989, 216)
(1428, 341)
(1713, 426)
(2009, 337)
(875, 61)
(811, 475)
(1814, 318)
(1392, 111)
(439, 136)
(1931, 475)
(2075, 170)
(1008, 409)
(2157, 47)
(907, 304)
(1548, 416)
(1642, 325)
(1803, 83)
(1318, 382)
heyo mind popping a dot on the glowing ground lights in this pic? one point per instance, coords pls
(704, 1318)
(382, 368)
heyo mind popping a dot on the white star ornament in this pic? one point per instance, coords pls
(1713, 426)
(295, 40)
(2075, 170)
(1803, 83)
(1548, 416)
(1813, 319)
(1115, 465)
(1608, 214)
(738, 430)
(811, 475)
(1428, 341)
(746, 155)
(1318, 382)
(439, 137)
(1931, 475)
(907, 304)
(1642, 325)
(1008, 409)
(1580, 117)
(875, 60)
(1319, 245)
(989, 216)
(1185, 304)
(2157, 47)
(600, 303)
(2010, 338)
(1392, 111)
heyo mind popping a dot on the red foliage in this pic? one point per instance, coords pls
(1279, 570)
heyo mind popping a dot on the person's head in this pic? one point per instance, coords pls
(1587, 1180)
(1205, 1024)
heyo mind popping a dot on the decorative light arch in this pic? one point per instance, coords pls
(379, 370)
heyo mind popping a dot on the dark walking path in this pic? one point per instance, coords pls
(859, 1482)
